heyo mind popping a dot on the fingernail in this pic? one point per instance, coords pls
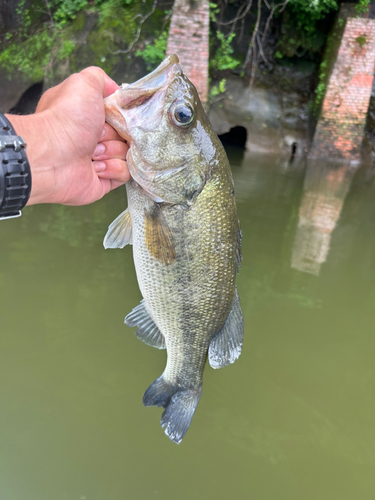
(103, 133)
(100, 166)
(99, 150)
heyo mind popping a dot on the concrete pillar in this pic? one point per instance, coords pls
(189, 38)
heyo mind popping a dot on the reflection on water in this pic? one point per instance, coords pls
(325, 188)
(292, 419)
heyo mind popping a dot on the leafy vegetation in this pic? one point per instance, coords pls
(65, 11)
(362, 6)
(154, 53)
(222, 53)
(303, 31)
(217, 90)
(50, 35)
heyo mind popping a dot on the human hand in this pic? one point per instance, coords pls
(65, 134)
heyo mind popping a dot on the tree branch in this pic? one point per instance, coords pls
(143, 19)
(238, 16)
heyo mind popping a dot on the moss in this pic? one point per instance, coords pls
(78, 23)
(327, 63)
(361, 40)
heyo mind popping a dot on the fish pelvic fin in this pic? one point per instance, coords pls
(180, 405)
(147, 330)
(120, 232)
(226, 345)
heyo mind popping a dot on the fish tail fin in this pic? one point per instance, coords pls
(180, 405)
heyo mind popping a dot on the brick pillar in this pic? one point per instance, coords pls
(340, 129)
(188, 38)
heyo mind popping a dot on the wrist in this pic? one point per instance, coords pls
(40, 152)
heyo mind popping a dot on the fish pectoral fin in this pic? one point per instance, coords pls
(226, 345)
(147, 330)
(158, 236)
(120, 232)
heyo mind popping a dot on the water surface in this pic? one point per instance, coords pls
(292, 419)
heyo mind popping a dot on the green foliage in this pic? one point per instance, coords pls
(66, 10)
(154, 53)
(362, 6)
(49, 35)
(65, 49)
(30, 56)
(221, 56)
(109, 9)
(214, 11)
(24, 15)
(300, 28)
(321, 88)
(221, 47)
(216, 90)
(278, 55)
(307, 12)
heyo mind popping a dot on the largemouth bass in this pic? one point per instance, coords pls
(182, 222)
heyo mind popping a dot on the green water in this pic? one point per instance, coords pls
(293, 419)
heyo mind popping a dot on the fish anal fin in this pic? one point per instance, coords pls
(119, 233)
(226, 345)
(159, 240)
(147, 330)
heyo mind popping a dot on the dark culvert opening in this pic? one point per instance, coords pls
(28, 101)
(235, 137)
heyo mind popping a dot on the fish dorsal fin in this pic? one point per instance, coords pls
(159, 240)
(119, 233)
(147, 330)
(226, 346)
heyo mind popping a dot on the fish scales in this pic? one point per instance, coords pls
(186, 246)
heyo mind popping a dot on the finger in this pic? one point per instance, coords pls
(108, 185)
(113, 169)
(105, 83)
(110, 134)
(110, 149)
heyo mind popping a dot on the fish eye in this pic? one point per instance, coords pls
(182, 114)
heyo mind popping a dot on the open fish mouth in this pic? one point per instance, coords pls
(128, 98)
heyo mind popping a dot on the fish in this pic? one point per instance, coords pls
(183, 224)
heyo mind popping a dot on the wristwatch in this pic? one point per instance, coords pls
(15, 173)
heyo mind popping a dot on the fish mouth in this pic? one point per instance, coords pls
(129, 97)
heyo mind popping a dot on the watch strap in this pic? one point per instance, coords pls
(15, 173)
